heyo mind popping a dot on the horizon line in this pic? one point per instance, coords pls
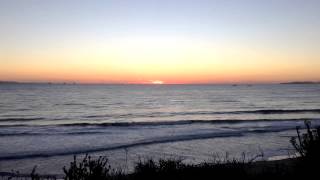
(144, 83)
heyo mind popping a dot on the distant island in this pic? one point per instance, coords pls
(301, 82)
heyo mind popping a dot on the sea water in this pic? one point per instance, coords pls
(46, 124)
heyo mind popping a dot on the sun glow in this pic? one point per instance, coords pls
(157, 82)
(157, 59)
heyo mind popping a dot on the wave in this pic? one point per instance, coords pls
(18, 119)
(49, 134)
(72, 104)
(184, 122)
(260, 111)
(151, 141)
(155, 140)
(145, 142)
(169, 114)
(13, 118)
(99, 128)
(22, 109)
(165, 123)
(284, 111)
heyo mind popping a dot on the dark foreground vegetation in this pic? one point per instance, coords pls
(306, 165)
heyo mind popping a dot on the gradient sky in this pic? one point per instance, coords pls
(212, 41)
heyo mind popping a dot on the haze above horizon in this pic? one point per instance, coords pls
(160, 42)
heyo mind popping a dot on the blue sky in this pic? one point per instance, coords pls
(269, 20)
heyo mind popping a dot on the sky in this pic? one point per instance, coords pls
(163, 41)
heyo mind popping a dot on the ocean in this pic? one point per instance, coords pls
(46, 124)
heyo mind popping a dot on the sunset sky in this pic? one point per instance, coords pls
(170, 41)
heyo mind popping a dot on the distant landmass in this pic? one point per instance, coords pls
(9, 82)
(301, 82)
(16, 82)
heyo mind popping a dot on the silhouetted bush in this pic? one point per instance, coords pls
(90, 169)
(308, 146)
(34, 175)
(217, 168)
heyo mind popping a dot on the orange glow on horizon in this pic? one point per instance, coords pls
(174, 60)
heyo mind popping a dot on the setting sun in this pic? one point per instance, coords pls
(157, 82)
